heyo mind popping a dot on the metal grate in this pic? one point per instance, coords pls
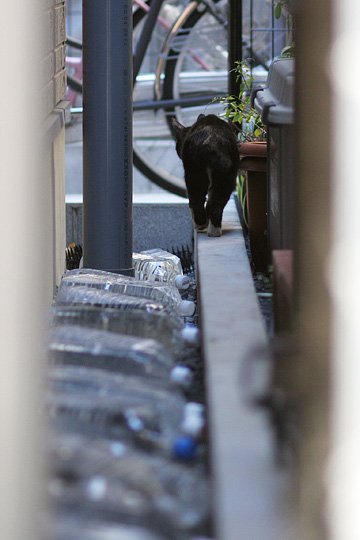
(264, 35)
(73, 254)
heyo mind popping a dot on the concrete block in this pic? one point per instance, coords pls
(165, 225)
(252, 498)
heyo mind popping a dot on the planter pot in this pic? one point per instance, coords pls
(253, 161)
(252, 149)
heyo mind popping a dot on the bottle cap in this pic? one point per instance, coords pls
(194, 407)
(184, 448)
(191, 335)
(182, 282)
(192, 425)
(182, 376)
(193, 421)
(186, 308)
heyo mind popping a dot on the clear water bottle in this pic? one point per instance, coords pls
(158, 252)
(158, 291)
(156, 325)
(154, 267)
(124, 314)
(67, 526)
(114, 478)
(77, 345)
(84, 295)
(108, 404)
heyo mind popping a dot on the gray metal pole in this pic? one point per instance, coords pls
(234, 43)
(107, 134)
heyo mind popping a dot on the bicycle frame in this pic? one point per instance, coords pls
(152, 18)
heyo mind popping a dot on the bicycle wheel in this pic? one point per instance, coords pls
(184, 69)
(196, 64)
(152, 140)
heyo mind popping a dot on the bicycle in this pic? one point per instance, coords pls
(180, 65)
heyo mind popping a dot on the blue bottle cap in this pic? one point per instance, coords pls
(184, 448)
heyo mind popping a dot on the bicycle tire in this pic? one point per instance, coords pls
(150, 134)
(172, 73)
(144, 166)
(156, 171)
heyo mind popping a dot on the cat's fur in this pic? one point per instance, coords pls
(210, 156)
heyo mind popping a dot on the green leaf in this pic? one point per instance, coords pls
(278, 10)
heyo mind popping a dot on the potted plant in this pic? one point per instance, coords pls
(252, 181)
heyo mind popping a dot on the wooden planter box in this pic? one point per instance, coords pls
(253, 161)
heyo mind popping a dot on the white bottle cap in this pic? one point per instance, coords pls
(182, 282)
(190, 335)
(192, 425)
(186, 308)
(192, 407)
(182, 376)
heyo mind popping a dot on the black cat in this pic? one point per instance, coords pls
(210, 156)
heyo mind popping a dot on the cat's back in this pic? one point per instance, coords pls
(210, 128)
(210, 139)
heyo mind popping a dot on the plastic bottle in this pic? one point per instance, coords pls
(144, 323)
(158, 291)
(77, 345)
(86, 295)
(167, 497)
(158, 252)
(66, 526)
(154, 267)
(121, 407)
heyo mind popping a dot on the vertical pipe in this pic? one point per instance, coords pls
(107, 134)
(234, 42)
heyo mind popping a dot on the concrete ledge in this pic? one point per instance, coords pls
(163, 222)
(251, 496)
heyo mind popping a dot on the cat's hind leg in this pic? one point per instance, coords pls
(215, 217)
(220, 191)
(196, 185)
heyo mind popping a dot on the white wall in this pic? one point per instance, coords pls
(30, 235)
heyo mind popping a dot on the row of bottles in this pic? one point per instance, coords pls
(126, 446)
(111, 478)
(123, 407)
